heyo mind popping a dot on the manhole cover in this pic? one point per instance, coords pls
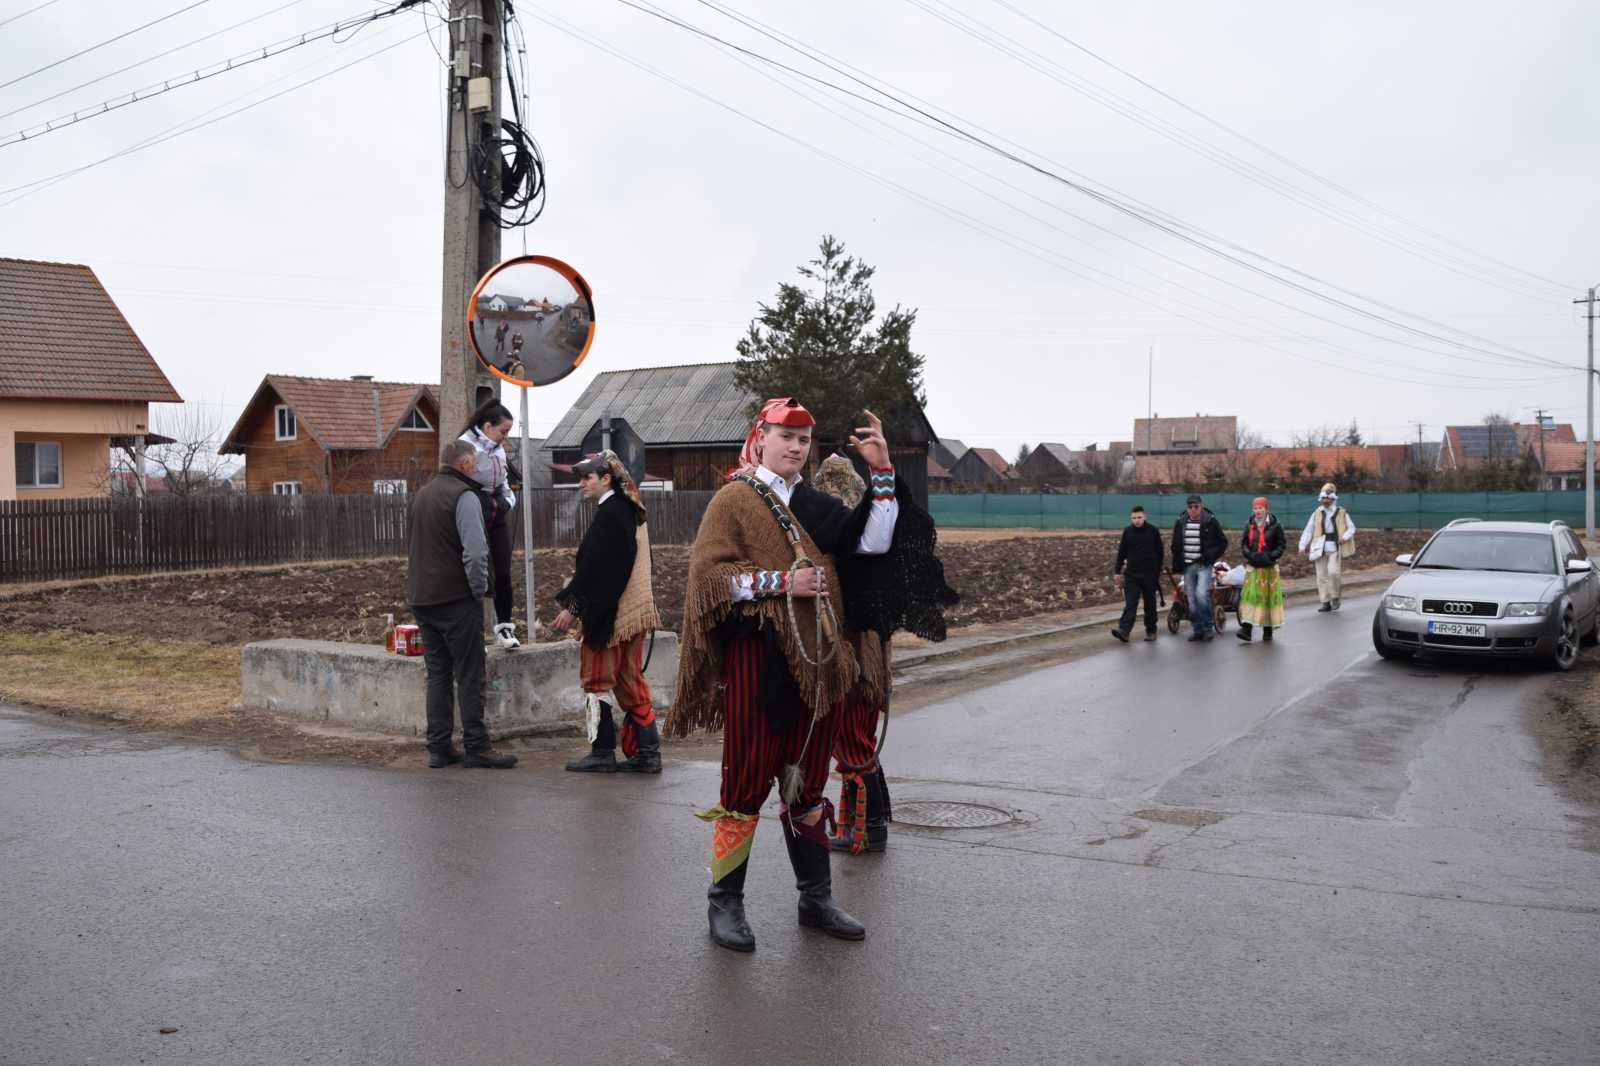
(944, 814)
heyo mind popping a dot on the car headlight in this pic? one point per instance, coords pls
(1526, 610)
(1400, 603)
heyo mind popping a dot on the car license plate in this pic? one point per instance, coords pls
(1458, 629)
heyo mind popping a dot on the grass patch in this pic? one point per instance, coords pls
(157, 684)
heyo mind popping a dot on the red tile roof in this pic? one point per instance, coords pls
(1562, 456)
(338, 412)
(62, 337)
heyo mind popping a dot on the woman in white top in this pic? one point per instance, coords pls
(491, 424)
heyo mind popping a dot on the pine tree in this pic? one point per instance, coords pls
(817, 343)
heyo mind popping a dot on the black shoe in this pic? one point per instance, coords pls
(1149, 635)
(1195, 638)
(437, 760)
(1243, 634)
(488, 760)
(646, 758)
(814, 879)
(1325, 608)
(725, 912)
(596, 762)
(1266, 634)
(1335, 604)
(1120, 635)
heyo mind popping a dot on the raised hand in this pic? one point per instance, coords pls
(868, 441)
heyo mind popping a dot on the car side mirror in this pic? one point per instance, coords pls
(1403, 560)
(1579, 566)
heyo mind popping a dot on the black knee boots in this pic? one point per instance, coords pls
(602, 757)
(813, 877)
(646, 758)
(726, 911)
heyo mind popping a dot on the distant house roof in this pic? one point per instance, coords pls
(981, 466)
(947, 450)
(1328, 460)
(937, 472)
(63, 338)
(1563, 457)
(1528, 434)
(1502, 441)
(1049, 459)
(696, 404)
(1202, 433)
(1420, 455)
(338, 412)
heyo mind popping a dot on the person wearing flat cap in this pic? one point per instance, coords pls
(611, 600)
(1328, 540)
(1197, 543)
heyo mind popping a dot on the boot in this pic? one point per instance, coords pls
(1266, 634)
(808, 853)
(877, 811)
(1243, 632)
(602, 757)
(505, 634)
(726, 911)
(438, 760)
(488, 760)
(646, 758)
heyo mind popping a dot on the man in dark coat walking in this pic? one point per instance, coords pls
(1137, 569)
(1197, 542)
(447, 577)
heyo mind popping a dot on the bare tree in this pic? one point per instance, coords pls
(190, 465)
(1247, 439)
(1324, 436)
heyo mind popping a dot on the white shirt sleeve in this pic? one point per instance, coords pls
(1311, 523)
(1349, 528)
(877, 538)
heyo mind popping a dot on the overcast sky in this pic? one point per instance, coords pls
(303, 236)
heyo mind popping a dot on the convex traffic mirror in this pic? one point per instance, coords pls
(531, 320)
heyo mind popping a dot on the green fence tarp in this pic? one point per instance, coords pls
(1371, 510)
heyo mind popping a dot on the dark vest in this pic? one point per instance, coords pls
(435, 574)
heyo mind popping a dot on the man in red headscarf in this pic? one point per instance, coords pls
(762, 655)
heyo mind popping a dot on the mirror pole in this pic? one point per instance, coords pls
(527, 518)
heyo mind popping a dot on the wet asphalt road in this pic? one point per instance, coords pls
(1219, 854)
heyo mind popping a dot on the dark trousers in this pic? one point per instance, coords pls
(452, 649)
(500, 567)
(1134, 588)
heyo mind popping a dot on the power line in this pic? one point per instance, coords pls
(1112, 199)
(102, 44)
(1045, 255)
(211, 70)
(31, 10)
(190, 125)
(1308, 172)
(149, 59)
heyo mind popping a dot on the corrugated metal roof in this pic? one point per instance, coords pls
(62, 337)
(697, 404)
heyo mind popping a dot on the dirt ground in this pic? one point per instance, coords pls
(1000, 579)
(1568, 727)
(162, 652)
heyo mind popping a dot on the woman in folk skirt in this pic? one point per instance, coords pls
(1261, 602)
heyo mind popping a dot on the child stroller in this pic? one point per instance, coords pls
(1224, 598)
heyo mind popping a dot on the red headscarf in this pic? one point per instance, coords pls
(783, 411)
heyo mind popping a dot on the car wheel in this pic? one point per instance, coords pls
(1219, 619)
(1174, 623)
(1566, 649)
(1383, 647)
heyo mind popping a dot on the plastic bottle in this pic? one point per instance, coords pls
(388, 633)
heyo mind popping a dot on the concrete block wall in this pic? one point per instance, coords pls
(532, 691)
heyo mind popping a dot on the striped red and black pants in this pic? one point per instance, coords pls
(752, 753)
(855, 744)
(619, 670)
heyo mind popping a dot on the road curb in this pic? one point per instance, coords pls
(940, 656)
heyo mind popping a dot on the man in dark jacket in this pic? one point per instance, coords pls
(446, 579)
(1197, 542)
(1138, 568)
(611, 599)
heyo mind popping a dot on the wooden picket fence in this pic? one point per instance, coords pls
(44, 540)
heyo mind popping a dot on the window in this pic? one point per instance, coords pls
(389, 487)
(286, 488)
(38, 465)
(416, 422)
(285, 421)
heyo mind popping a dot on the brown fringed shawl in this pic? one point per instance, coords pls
(737, 535)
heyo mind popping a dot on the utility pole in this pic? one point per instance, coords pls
(471, 230)
(1538, 420)
(1588, 446)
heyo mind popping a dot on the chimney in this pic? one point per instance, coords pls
(360, 377)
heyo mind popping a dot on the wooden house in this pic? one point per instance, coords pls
(302, 435)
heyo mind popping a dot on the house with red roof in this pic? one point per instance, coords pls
(75, 381)
(303, 436)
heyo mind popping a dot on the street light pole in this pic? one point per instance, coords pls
(1588, 446)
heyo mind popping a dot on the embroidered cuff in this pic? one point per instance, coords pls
(766, 582)
(882, 484)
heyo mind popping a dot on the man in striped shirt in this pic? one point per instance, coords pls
(1197, 542)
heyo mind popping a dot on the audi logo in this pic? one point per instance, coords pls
(1457, 607)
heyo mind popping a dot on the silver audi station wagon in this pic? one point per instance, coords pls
(1493, 588)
